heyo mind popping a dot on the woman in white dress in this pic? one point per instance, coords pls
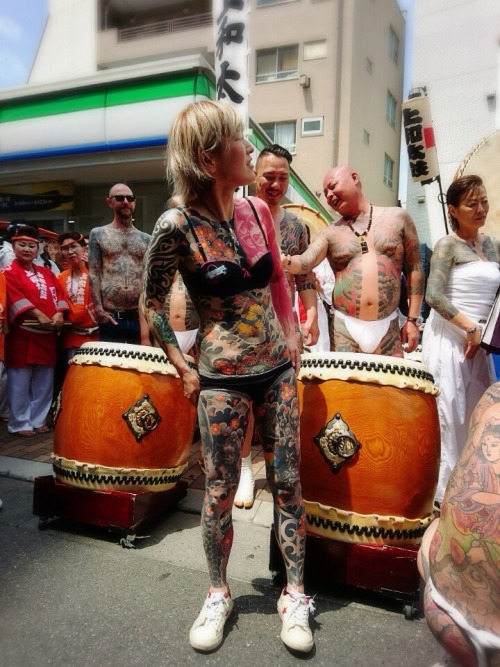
(463, 280)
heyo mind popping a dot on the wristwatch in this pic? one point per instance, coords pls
(416, 320)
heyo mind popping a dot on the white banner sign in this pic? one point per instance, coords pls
(230, 18)
(419, 136)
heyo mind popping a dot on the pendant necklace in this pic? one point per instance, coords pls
(362, 237)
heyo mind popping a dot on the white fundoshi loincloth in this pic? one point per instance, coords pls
(367, 333)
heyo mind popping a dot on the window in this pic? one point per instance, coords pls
(369, 66)
(388, 171)
(284, 134)
(366, 137)
(315, 50)
(312, 126)
(390, 111)
(279, 63)
(393, 45)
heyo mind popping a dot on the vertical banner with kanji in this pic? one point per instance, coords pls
(230, 18)
(419, 137)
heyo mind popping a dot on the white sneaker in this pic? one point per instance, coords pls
(244, 492)
(294, 609)
(208, 629)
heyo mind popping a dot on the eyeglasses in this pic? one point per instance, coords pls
(121, 198)
(70, 248)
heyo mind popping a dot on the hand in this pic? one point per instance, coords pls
(473, 343)
(103, 317)
(410, 335)
(310, 332)
(191, 386)
(294, 350)
(57, 321)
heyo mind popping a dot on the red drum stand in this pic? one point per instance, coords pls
(388, 570)
(120, 511)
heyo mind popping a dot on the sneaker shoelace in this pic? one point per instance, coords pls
(215, 606)
(299, 608)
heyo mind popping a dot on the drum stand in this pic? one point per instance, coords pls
(389, 570)
(120, 511)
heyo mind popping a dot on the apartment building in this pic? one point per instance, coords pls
(456, 60)
(325, 80)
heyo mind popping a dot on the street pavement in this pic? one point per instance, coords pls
(70, 595)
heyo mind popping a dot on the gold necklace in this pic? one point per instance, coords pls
(363, 235)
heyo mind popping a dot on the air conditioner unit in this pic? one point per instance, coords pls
(304, 81)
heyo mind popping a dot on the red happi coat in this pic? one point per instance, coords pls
(25, 347)
(80, 311)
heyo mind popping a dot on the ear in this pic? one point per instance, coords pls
(207, 161)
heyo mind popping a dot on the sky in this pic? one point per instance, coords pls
(21, 28)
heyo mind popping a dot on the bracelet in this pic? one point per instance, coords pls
(472, 330)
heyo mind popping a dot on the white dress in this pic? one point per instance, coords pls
(471, 288)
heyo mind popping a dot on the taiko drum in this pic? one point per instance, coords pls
(122, 421)
(370, 447)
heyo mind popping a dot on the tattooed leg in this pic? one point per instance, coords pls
(277, 420)
(340, 338)
(390, 344)
(223, 421)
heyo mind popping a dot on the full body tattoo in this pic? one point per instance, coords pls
(240, 342)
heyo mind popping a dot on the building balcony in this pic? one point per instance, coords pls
(167, 38)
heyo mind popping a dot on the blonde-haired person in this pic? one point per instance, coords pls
(225, 248)
(463, 280)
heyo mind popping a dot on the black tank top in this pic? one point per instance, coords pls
(223, 278)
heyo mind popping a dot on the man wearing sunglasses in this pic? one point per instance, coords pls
(116, 264)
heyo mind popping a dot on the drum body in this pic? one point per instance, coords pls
(122, 421)
(370, 447)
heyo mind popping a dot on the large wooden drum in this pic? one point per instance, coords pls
(122, 421)
(370, 447)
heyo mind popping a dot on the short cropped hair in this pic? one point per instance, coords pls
(275, 149)
(202, 127)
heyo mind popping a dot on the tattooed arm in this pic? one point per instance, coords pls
(95, 277)
(315, 254)
(160, 268)
(448, 253)
(415, 280)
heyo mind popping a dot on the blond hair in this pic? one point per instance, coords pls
(202, 127)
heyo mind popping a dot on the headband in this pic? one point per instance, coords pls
(25, 238)
(69, 241)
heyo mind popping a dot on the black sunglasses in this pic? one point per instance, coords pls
(121, 198)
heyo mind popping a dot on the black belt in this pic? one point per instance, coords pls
(130, 314)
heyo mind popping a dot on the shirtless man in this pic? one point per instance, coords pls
(368, 249)
(460, 553)
(272, 179)
(116, 258)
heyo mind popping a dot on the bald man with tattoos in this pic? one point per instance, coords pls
(116, 266)
(368, 249)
